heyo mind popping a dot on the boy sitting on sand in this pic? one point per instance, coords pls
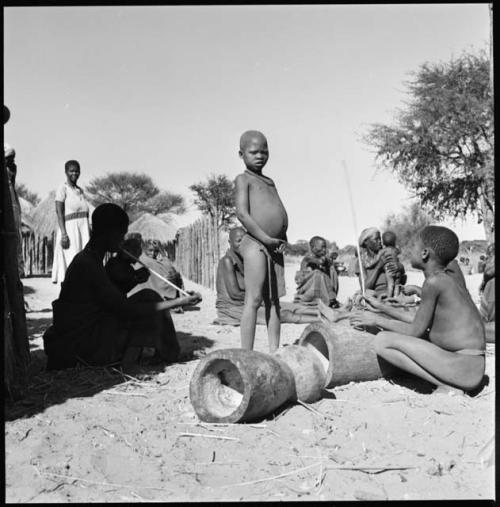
(261, 212)
(93, 322)
(445, 342)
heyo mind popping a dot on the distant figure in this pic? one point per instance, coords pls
(445, 342)
(230, 285)
(373, 261)
(72, 211)
(10, 164)
(317, 278)
(93, 322)
(487, 287)
(261, 212)
(481, 263)
(392, 252)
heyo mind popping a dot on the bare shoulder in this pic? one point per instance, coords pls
(227, 263)
(432, 284)
(439, 282)
(242, 179)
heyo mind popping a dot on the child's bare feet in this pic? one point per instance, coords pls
(329, 314)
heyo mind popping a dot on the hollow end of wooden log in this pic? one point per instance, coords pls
(315, 340)
(235, 385)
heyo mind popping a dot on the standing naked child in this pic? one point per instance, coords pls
(393, 277)
(445, 342)
(260, 210)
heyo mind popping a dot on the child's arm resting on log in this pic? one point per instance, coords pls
(417, 327)
(243, 214)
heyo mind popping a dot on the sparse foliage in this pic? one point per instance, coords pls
(135, 193)
(166, 202)
(299, 248)
(405, 225)
(441, 145)
(24, 192)
(216, 198)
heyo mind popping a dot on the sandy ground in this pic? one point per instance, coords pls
(88, 435)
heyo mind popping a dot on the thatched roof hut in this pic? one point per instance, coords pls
(44, 216)
(153, 227)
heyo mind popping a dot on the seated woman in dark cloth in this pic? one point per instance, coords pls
(373, 262)
(94, 323)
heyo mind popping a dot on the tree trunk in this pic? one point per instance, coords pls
(488, 217)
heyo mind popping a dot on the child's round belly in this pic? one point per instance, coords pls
(272, 220)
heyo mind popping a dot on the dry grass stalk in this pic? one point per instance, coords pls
(272, 478)
(219, 437)
(108, 484)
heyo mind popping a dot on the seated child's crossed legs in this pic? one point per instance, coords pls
(430, 362)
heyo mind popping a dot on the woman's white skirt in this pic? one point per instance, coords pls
(79, 234)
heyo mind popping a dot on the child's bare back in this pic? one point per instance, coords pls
(456, 324)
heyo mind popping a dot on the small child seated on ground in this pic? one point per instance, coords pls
(317, 278)
(120, 270)
(393, 277)
(445, 342)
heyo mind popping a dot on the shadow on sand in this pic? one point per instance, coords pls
(46, 388)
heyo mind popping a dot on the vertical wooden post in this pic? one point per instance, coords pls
(16, 344)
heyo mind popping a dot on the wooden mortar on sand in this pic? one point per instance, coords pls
(348, 354)
(235, 385)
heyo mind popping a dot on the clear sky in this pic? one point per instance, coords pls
(168, 91)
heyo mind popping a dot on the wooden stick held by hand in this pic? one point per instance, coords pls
(156, 274)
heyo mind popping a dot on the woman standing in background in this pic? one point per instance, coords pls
(72, 211)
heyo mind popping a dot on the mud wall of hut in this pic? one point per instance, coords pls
(198, 249)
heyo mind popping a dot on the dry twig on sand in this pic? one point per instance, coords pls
(108, 484)
(371, 470)
(112, 391)
(272, 478)
(314, 411)
(219, 437)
